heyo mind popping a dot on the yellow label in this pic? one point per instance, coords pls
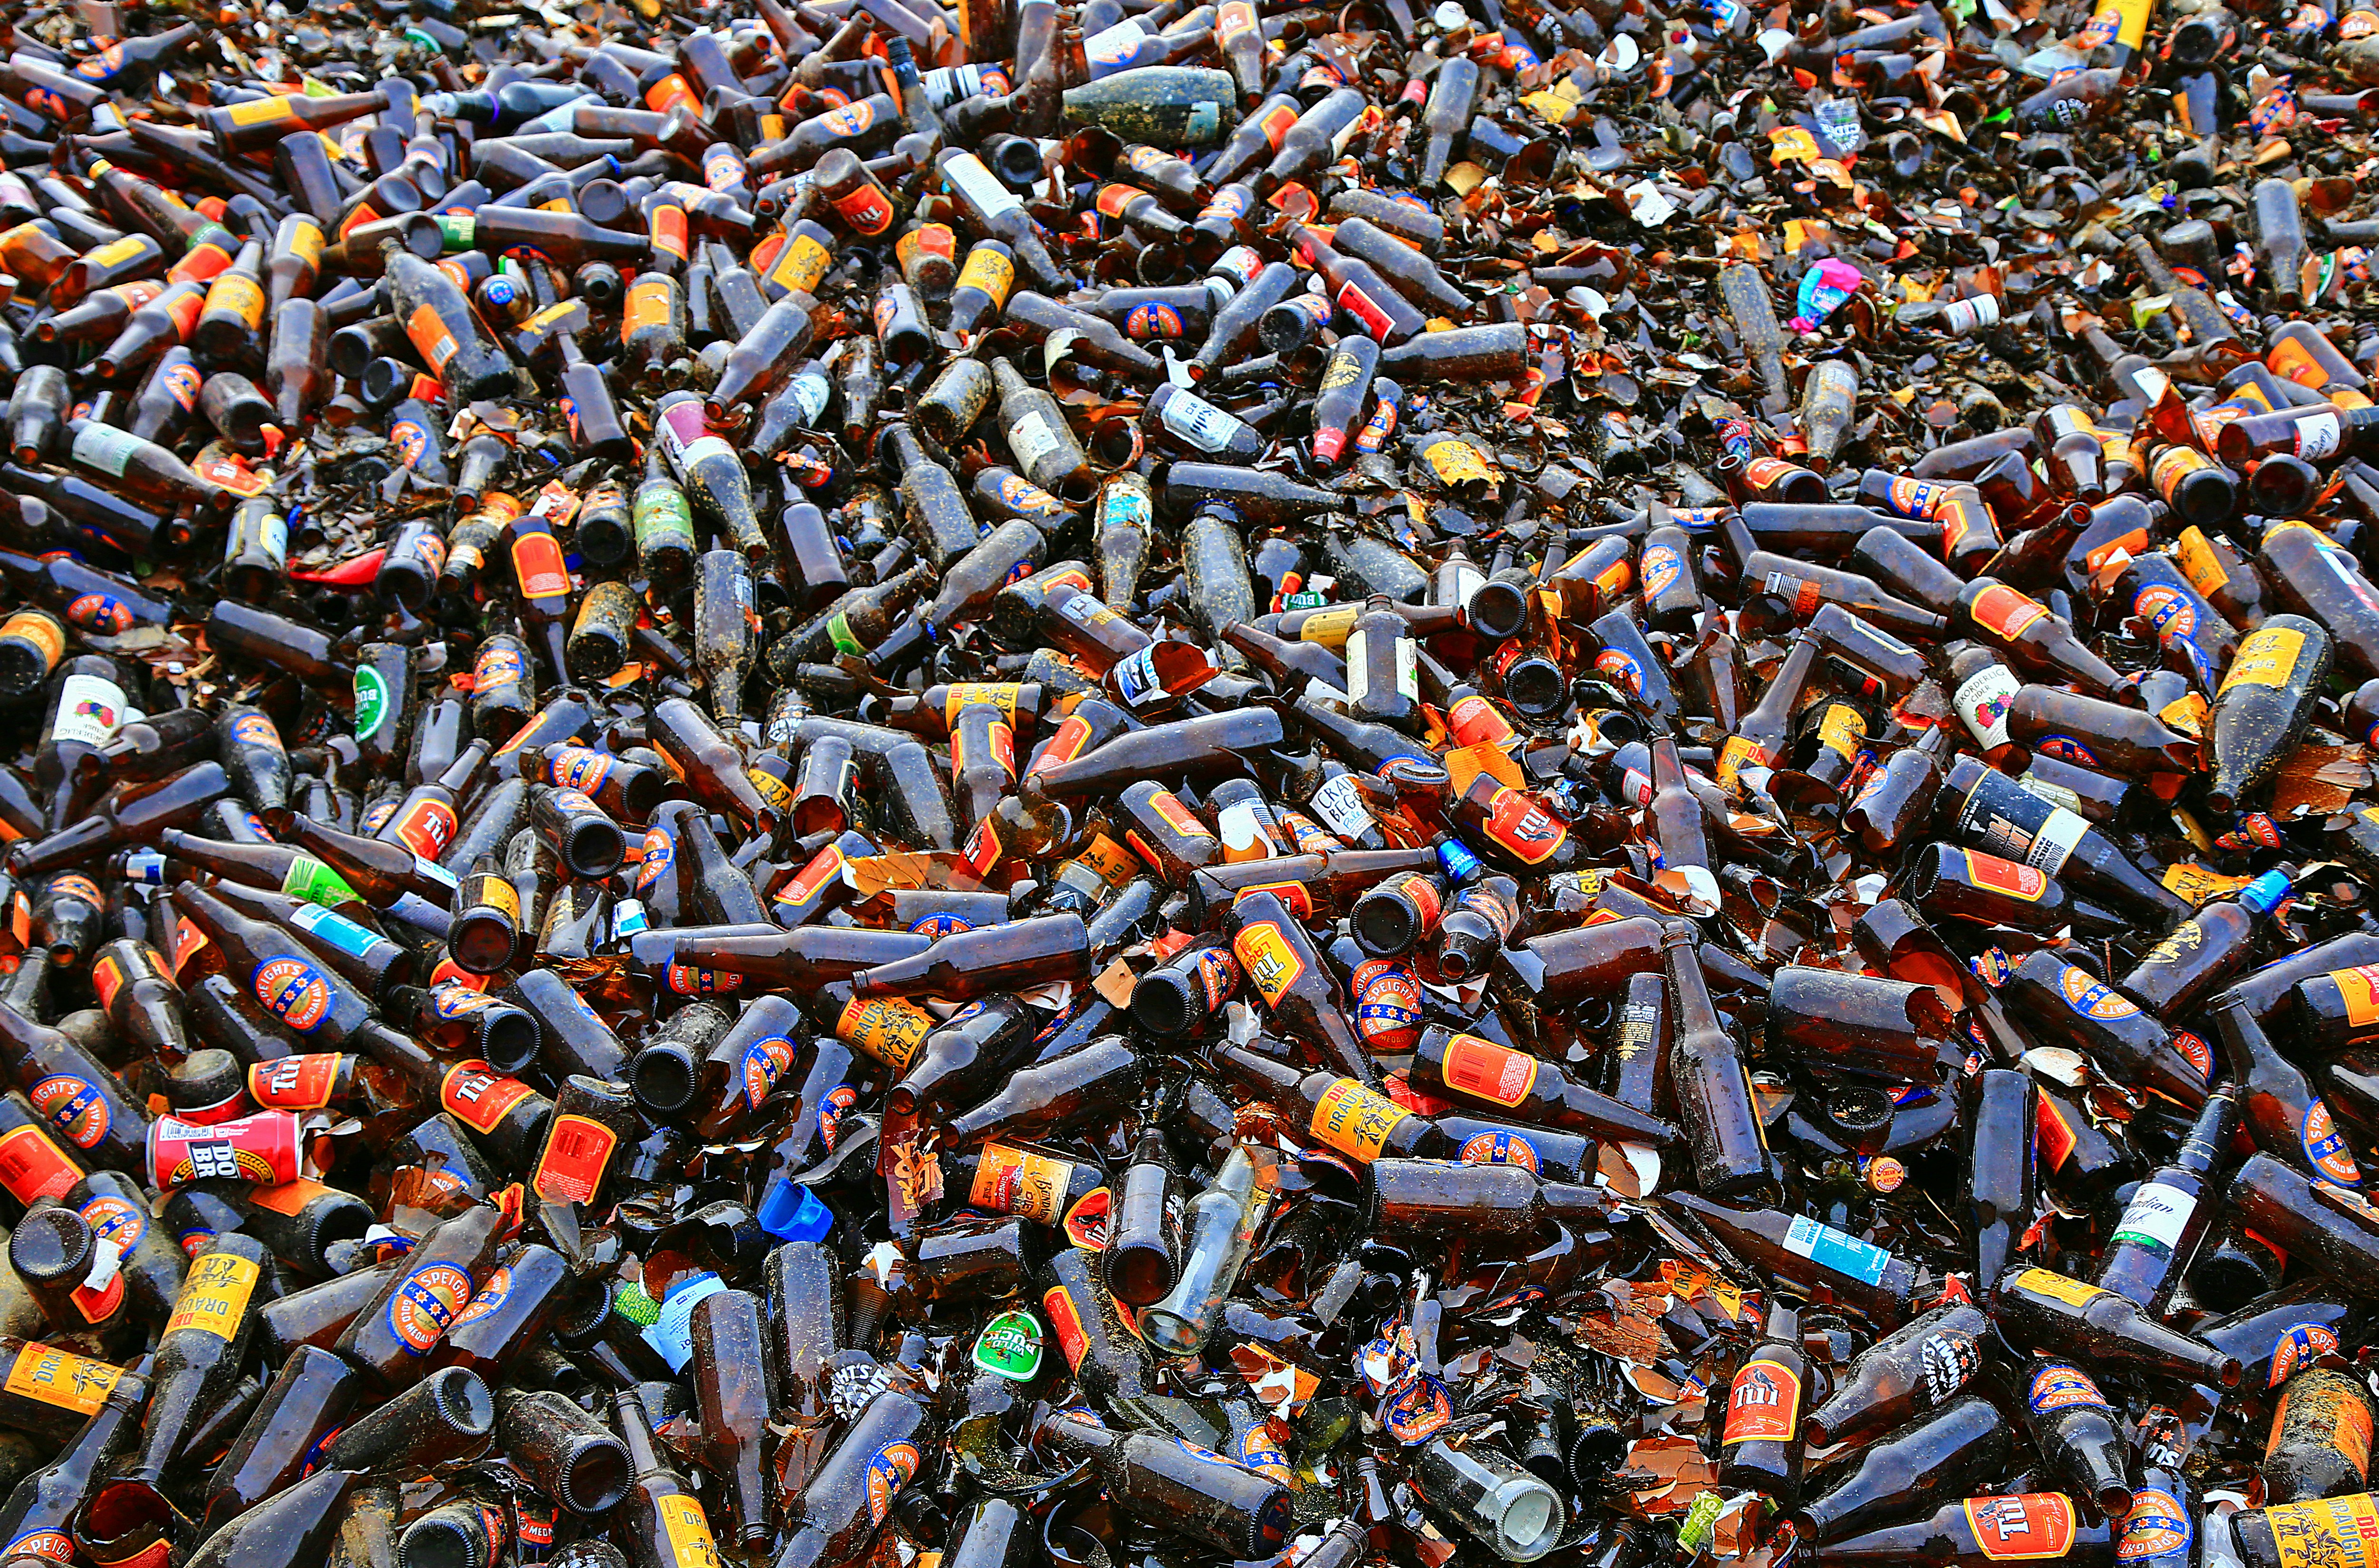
(498, 894)
(259, 111)
(1273, 966)
(1330, 627)
(1000, 694)
(884, 1028)
(306, 242)
(2073, 1292)
(773, 790)
(108, 255)
(2332, 1532)
(62, 1378)
(1842, 729)
(2197, 884)
(1356, 1121)
(2268, 658)
(987, 270)
(236, 295)
(801, 265)
(2358, 989)
(1008, 1180)
(688, 1532)
(214, 1297)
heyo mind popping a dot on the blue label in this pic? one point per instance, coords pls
(1829, 1248)
(337, 929)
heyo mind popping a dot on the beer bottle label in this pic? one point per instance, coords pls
(1764, 1405)
(2327, 1149)
(478, 1098)
(309, 879)
(112, 1219)
(1830, 1248)
(2158, 1526)
(2059, 1386)
(2058, 1287)
(687, 1531)
(1272, 965)
(2021, 1524)
(293, 991)
(2198, 563)
(62, 1379)
(2332, 1532)
(288, 1197)
(90, 708)
(489, 1300)
(214, 1297)
(294, 1083)
(31, 1167)
(1008, 1180)
(2093, 998)
(1525, 830)
(764, 1061)
(433, 1295)
(1487, 1071)
(2005, 876)
(2266, 658)
(1065, 1323)
(987, 271)
(577, 1153)
(73, 1107)
(2156, 1216)
(1355, 1120)
(336, 930)
(1009, 1346)
(886, 1028)
(2004, 612)
(2298, 1347)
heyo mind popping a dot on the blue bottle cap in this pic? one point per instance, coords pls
(2268, 892)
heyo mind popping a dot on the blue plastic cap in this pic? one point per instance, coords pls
(2268, 892)
(1459, 863)
(793, 1213)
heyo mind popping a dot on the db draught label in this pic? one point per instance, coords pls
(1765, 1405)
(214, 1296)
(61, 1378)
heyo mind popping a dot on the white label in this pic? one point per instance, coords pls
(106, 448)
(967, 176)
(2157, 1216)
(272, 536)
(89, 709)
(1242, 833)
(1339, 802)
(1358, 684)
(1982, 701)
(1407, 661)
(2317, 434)
(2051, 851)
(1032, 439)
(1199, 422)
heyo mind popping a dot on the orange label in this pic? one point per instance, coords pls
(1765, 1404)
(1483, 1068)
(647, 304)
(1008, 1180)
(1168, 805)
(2358, 989)
(2000, 609)
(61, 1378)
(429, 334)
(41, 630)
(577, 1153)
(1355, 1120)
(294, 1083)
(289, 1197)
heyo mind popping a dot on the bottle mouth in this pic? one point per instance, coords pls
(663, 1078)
(595, 1478)
(1160, 1007)
(463, 1401)
(1525, 1515)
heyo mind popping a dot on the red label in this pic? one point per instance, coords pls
(1999, 608)
(426, 826)
(576, 1153)
(1526, 830)
(294, 1083)
(31, 1167)
(2032, 1524)
(536, 558)
(477, 1097)
(1066, 1324)
(2007, 876)
(1765, 1404)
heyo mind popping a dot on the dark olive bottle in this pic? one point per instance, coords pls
(1908, 1373)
